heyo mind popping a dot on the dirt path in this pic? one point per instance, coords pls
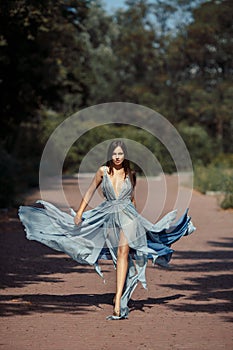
(49, 302)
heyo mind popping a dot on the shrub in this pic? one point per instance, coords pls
(223, 160)
(227, 201)
(217, 179)
(198, 142)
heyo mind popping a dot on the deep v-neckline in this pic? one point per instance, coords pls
(123, 184)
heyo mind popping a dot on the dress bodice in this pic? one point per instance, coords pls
(125, 191)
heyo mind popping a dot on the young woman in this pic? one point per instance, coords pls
(114, 229)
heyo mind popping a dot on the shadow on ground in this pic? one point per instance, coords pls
(74, 303)
(212, 290)
(23, 262)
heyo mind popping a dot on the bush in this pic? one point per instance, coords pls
(198, 142)
(223, 160)
(227, 201)
(208, 178)
(99, 134)
(217, 179)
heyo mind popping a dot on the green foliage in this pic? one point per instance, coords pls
(19, 170)
(209, 178)
(224, 161)
(60, 56)
(98, 135)
(201, 61)
(39, 42)
(218, 179)
(199, 143)
(227, 201)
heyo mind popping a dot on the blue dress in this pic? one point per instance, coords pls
(98, 234)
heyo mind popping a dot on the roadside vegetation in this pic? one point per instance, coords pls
(61, 56)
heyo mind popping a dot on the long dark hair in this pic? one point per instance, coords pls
(126, 163)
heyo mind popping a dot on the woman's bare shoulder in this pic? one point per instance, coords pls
(102, 170)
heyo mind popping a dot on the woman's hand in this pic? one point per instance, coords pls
(77, 219)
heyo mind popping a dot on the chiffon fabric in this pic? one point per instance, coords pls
(97, 236)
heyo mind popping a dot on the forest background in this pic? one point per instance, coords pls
(60, 56)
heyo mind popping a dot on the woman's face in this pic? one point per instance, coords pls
(118, 156)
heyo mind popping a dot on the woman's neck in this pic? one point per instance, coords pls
(117, 167)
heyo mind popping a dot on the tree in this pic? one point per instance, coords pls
(38, 70)
(201, 61)
(39, 66)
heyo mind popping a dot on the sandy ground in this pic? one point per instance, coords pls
(49, 302)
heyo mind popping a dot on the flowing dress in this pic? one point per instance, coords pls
(97, 236)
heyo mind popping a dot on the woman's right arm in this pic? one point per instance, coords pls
(88, 195)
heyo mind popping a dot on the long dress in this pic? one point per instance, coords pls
(97, 236)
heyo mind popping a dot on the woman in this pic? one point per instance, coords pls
(114, 229)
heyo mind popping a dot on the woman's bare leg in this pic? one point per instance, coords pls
(121, 271)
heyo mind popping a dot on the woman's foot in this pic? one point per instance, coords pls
(116, 312)
(117, 307)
